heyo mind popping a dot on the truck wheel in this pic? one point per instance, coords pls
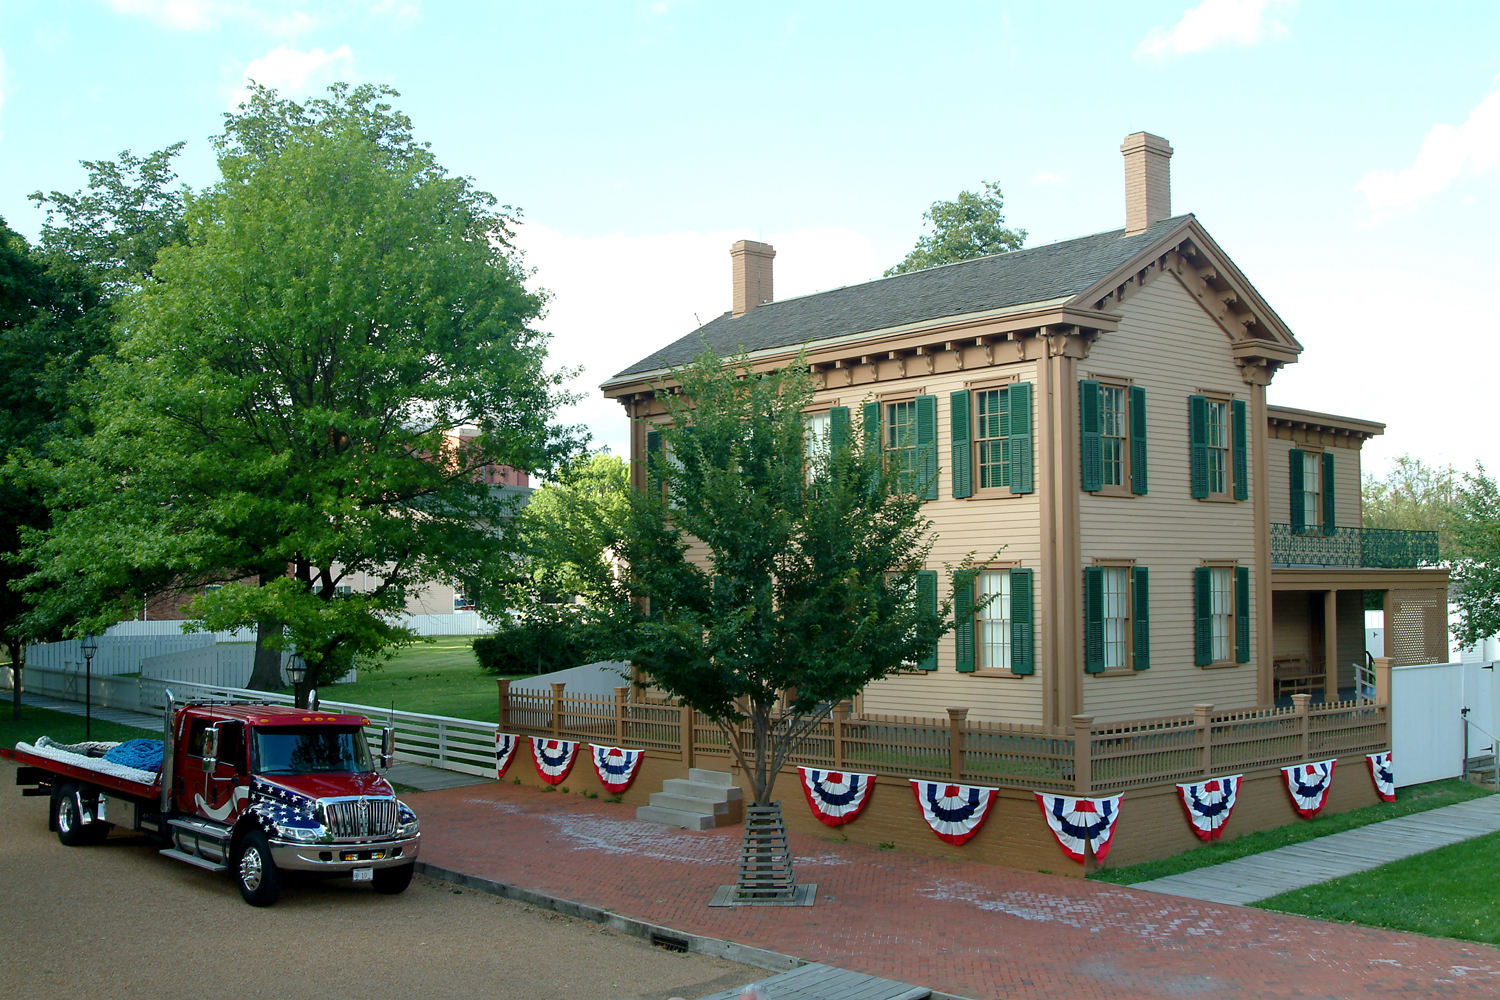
(70, 827)
(255, 872)
(393, 881)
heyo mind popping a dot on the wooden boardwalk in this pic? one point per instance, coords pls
(1246, 880)
(824, 982)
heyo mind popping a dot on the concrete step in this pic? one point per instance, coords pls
(687, 803)
(674, 817)
(702, 790)
(708, 777)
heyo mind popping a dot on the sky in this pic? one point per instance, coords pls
(1345, 154)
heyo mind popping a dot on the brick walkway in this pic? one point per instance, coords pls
(968, 929)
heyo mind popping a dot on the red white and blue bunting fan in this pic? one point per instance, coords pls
(1382, 774)
(554, 758)
(1209, 803)
(1308, 785)
(616, 766)
(955, 812)
(505, 749)
(1081, 823)
(836, 797)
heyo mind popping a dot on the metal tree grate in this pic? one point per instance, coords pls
(765, 858)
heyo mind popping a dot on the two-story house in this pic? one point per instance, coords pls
(1091, 417)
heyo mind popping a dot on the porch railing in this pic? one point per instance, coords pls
(1372, 548)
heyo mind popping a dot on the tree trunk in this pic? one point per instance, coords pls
(17, 664)
(266, 674)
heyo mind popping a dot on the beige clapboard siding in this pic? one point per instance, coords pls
(1009, 529)
(1346, 476)
(1291, 625)
(1167, 345)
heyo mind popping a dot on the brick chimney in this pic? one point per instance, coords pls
(1148, 181)
(751, 263)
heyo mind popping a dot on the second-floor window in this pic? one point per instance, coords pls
(901, 443)
(992, 438)
(1219, 433)
(1311, 481)
(1218, 447)
(1312, 490)
(1112, 437)
(816, 442)
(1112, 434)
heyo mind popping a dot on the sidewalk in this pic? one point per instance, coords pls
(961, 928)
(1260, 876)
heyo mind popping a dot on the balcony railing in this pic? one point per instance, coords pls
(1372, 548)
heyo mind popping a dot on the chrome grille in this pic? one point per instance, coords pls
(360, 818)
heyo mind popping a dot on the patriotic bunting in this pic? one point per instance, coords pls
(505, 749)
(1080, 823)
(1209, 804)
(554, 758)
(1382, 774)
(955, 812)
(1308, 785)
(616, 767)
(836, 797)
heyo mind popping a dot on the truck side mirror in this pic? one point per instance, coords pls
(210, 749)
(387, 747)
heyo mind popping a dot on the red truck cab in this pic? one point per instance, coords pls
(255, 790)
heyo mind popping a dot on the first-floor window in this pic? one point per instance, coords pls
(1116, 615)
(994, 619)
(1221, 608)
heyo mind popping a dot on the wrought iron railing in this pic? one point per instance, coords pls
(1374, 548)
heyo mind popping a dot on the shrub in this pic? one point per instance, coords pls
(535, 645)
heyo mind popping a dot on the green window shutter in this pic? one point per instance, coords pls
(1242, 614)
(1020, 438)
(1093, 620)
(1203, 632)
(1022, 633)
(653, 460)
(927, 465)
(1299, 503)
(1140, 615)
(1241, 450)
(1138, 440)
(1330, 517)
(1089, 447)
(838, 429)
(871, 413)
(963, 621)
(927, 605)
(958, 425)
(1198, 439)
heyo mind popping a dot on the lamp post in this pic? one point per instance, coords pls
(90, 647)
(296, 672)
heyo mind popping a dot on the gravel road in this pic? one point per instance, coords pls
(118, 920)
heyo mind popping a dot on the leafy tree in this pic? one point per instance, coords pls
(969, 226)
(764, 587)
(290, 386)
(1413, 496)
(1475, 527)
(569, 528)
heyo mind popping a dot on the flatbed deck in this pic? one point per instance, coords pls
(94, 770)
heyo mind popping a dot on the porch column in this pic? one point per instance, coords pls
(1330, 646)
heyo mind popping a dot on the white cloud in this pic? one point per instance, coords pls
(1046, 177)
(1447, 153)
(1214, 23)
(290, 71)
(183, 15)
(618, 298)
(284, 18)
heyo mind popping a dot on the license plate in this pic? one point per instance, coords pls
(364, 874)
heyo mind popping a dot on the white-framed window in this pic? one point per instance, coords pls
(1312, 489)
(1113, 432)
(1221, 610)
(901, 443)
(992, 639)
(1218, 447)
(817, 441)
(992, 438)
(1116, 615)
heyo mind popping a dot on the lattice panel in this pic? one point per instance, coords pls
(1418, 627)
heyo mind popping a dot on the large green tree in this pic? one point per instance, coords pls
(771, 576)
(1475, 528)
(290, 385)
(969, 226)
(569, 528)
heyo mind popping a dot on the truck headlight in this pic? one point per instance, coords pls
(303, 834)
(409, 824)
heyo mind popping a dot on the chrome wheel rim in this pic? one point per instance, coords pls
(250, 869)
(65, 821)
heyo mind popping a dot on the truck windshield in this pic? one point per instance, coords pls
(310, 750)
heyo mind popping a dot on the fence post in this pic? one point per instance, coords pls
(840, 713)
(557, 708)
(1300, 705)
(688, 719)
(1202, 719)
(1383, 680)
(504, 715)
(620, 694)
(1083, 748)
(956, 719)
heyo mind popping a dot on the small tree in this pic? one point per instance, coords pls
(1412, 496)
(1475, 525)
(969, 226)
(773, 575)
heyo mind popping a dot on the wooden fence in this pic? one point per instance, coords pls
(1100, 759)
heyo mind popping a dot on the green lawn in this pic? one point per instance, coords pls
(1448, 892)
(1413, 799)
(62, 727)
(438, 678)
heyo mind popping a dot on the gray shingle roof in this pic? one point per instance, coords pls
(1036, 274)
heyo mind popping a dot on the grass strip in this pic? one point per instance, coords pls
(62, 727)
(1412, 799)
(1447, 893)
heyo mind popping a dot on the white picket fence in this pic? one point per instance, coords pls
(463, 623)
(118, 654)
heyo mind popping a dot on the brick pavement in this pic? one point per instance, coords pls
(963, 928)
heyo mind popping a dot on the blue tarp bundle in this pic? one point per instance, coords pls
(142, 754)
